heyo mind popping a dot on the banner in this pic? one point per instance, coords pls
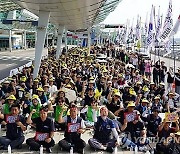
(150, 37)
(172, 117)
(168, 24)
(175, 28)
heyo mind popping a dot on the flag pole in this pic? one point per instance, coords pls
(174, 58)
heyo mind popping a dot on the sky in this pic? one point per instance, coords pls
(130, 9)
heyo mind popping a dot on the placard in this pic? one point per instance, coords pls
(130, 116)
(73, 127)
(173, 117)
(11, 119)
(41, 136)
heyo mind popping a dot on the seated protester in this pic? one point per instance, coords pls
(74, 127)
(61, 94)
(130, 110)
(137, 131)
(58, 108)
(164, 133)
(108, 89)
(91, 113)
(144, 109)
(157, 103)
(44, 131)
(114, 104)
(15, 124)
(27, 104)
(46, 91)
(102, 133)
(174, 146)
(170, 101)
(8, 103)
(88, 97)
(42, 97)
(35, 106)
(153, 122)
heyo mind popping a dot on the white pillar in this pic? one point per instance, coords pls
(25, 43)
(65, 39)
(10, 40)
(89, 41)
(59, 41)
(41, 34)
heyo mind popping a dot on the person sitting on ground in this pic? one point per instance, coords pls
(35, 106)
(74, 127)
(15, 124)
(102, 133)
(60, 107)
(44, 131)
(42, 97)
(9, 102)
(153, 122)
(164, 133)
(90, 113)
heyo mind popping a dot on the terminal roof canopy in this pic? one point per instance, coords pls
(74, 14)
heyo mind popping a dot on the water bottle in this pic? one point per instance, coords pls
(9, 149)
(136, 150)
(71, 150)
(115, 150)
(41, 150)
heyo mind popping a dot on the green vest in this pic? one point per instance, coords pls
(6, 109)
(90, 114)
(37, 113)
(58, 112)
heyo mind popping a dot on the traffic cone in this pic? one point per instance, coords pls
(173, 86)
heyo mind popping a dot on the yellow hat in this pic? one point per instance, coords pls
(105, 71)
(139, 82)
(91, 78)
(178, 133)
(68, 86)
(11, 97)
(35, 97)
(171, 93)
(51, 79)
(21, 89)
(91, 82)
(145, 100)
(23, 79)
(131, 104)
(145, 88)
(36, 80)
(40, 89)
(132, 92)
(157, 97)
(117, 94)
(120, 75)
(46, 85)
(162, 84)
(28, 95)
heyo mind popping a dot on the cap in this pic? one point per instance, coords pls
(51, 79)
(171, 93)
(36, 80)
(145, 88)
(46, 85)
(117, 94)
(157, 97)
(91, 78)
(131, 104)
(139, 82)
(40, 89)
(11, 97)
(35, 97)
(68, 86)
(178, 133)
(21, 89)
(132, 92)
(145, 100)
(6, 82)
(91, 82)
(162, 84)
(152, 83)
(28, 95)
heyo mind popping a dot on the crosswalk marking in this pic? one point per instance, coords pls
(14, 58)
